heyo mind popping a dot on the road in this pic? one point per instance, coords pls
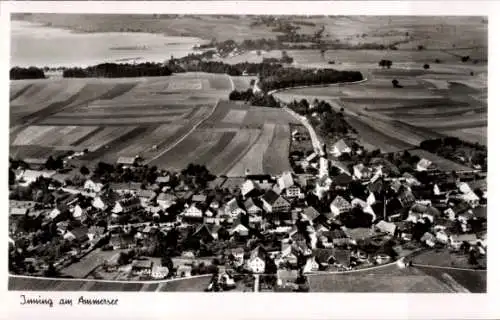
(316, 142)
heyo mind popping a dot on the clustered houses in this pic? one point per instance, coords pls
(297, 222)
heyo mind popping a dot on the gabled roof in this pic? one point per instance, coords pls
(249, 203)
(260, 252)
(340, 145)
(163, 179)
(340, 202)
(377, 186)
(285, 180)
(359, 233)
(145, 194)
(270, 197)
(341, 179)
(311, 213)
(199, 198)
(166, 197)
(384, 226)
(248, 186)
(232, 205)
(126, 160)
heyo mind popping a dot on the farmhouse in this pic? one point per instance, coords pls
(92, 186)
(257, 261)
(273, 202)
(127, 205)
(249, 188)
(251, 207)
(194, 211)
(424, 165)
(340, 147)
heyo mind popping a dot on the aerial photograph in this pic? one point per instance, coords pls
(248, 153)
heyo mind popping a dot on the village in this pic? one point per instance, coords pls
(346, 209)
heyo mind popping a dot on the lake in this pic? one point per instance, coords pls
(37, 45)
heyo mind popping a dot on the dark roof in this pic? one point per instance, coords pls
(377, 186)
(342, 179)
(311, 213)
(270, 196)
(80, 232)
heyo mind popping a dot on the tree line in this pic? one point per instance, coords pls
(18, 73)
(122, 70)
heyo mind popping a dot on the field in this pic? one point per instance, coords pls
(44, 284)
(168, 121)
(443, 100)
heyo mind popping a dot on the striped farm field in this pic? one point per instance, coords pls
(53, 135)
(275, 159)
(254, 158)
(198, 142)
(103, 137)
(234, 150)
(235, 116)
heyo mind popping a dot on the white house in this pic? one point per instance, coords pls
(324, 167)
(240, 230)
(127, 205)
(340, 205)
(442, 237)
(361, 172)
(248, 186)
(424, 165)
(159, 272)
(166, 200)
(339, 148)
(92, 186)
(193, 211)
(233, 209)
(285, 181)
(257, 261)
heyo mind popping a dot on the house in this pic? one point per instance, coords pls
(78, 213)
(35, 163)
(249, 188)
(162, 179)
(324, 257)
(305, 180)
(361, 172)
(127, 161)
(457, 240)
(203, 233)
(324, 167)
(127, 205)
(184, 271)
(145, 196)
(420, 211)
(239, 229)
(199, 198)
(125, 188)
(343, 168)
(311, 265)
(233, 209)
(142, 267)
(322, 186)
(444, 188)
(166, 200)
(194, 211)
(54, 213)
(450, 214)
(285, 181)
(105, 200)
(159, 272)
(339, 148)
(257, 261)
(309, 159)
(311, 214)
(406, 197)
(340, 205)
(428, 239)
(386, 227)
(410, 179)
(92, 186)
(211, 216)
(237, 255)
(285, 277)
(251, 207)
(395, 185)
(78, 235)
(121, 241)
(470, 198)
(273, 202)
(424, 165)
(442, 237)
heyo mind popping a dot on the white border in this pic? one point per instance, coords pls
(269, 306)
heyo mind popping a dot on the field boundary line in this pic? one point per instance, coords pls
(339, 84)
(109, 281)
(448, 268)
(243, 154)
(186, 135)
(232, 82)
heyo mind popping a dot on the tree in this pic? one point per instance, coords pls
(84, 170)
(420, 47)
(12, 177)
(395, 84)
(426, 66)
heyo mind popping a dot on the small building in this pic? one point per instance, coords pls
(184, 271)
(127, 205)
(233, 209)
(428, 239)
(251, 207)
(386, 227)
(339, 206)
(159, 272)
(249, 188)
(128, 161)
(142, 267)
(424, 165)
(194, 211)
(166, 200)
(340, 147)
(361, 172)
(311, 214)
